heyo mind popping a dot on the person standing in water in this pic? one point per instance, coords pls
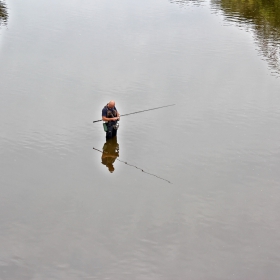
(110, 116)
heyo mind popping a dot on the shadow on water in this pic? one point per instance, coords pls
(110, 154)
(3, 13)
(262, 17)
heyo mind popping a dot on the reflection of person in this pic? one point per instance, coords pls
(110, 153)
(110, 116)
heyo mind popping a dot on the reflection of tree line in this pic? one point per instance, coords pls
(262, 16)
(3, 13)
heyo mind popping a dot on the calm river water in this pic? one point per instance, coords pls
(63, 215)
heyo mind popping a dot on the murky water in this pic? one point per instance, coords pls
(65, 215)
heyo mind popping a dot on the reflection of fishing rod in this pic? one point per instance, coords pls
(140, 111)
(136, 167)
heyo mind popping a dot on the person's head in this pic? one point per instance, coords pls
(111, 104)
(110, 167)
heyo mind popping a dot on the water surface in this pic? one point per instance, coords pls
(64, 215)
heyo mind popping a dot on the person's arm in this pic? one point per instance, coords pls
(104, 116)
(105, 119)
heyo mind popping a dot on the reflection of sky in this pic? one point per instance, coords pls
(218, 146)
(66, 63)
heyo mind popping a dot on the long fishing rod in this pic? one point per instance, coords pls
(137, 167)
(140, 111)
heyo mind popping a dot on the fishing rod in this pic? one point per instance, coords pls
(136, 167)
(140, 111)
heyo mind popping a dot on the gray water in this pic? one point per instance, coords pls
(63, 215)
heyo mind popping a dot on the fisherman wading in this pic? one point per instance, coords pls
(110, 117)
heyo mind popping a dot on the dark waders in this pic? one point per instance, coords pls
(111, 129)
